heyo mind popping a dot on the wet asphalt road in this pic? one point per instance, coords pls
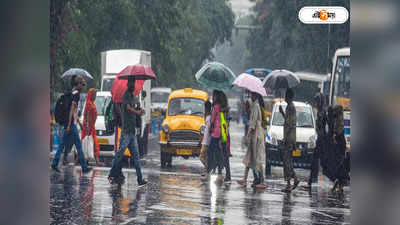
(177, 196)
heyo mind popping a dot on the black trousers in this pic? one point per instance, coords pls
(226, 160)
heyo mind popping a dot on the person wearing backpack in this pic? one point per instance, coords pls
(66, 114)
(225, 139)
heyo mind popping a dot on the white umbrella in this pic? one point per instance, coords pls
(76, 71)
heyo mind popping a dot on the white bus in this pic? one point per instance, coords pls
(339, 93)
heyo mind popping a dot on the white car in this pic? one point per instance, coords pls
(159, 98)
(105, 138)
(306, 135)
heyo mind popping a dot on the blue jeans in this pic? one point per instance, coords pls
(130, 141)
(69, 139)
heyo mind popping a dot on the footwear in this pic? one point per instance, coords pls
(204, 178)
(116, 180)
(307, 186)
(261, 186)
(142, 183)
(87, 170)
(287, 189)
(296, 183)
(227, 180)
(242, 182)
(55, 169)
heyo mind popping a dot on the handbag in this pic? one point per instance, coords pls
(88, 147)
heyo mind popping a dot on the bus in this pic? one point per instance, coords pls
(339, 93)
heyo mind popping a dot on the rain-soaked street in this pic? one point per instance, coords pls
(177, 196)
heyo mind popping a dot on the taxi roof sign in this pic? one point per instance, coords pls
(187, 90)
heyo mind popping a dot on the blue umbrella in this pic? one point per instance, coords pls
(258, 72)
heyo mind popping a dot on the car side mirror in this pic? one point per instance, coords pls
(144, 94)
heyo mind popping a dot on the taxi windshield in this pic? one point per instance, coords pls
(186, 106)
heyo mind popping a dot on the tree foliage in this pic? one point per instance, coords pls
(284, 42)
(179, 33)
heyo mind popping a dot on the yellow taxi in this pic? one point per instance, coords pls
(183, 127)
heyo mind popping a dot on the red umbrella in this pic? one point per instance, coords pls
(119, 87)
(138, 71)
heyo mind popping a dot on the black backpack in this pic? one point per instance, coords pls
(63, 106)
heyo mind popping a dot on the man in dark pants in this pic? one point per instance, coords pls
(71, 134)
(289, 139)
(321, 122)
(128, 139)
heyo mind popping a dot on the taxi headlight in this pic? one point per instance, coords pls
(312, 142)
(165, 128)
(202, 129)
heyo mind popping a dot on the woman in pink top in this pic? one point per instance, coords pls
(214, 154)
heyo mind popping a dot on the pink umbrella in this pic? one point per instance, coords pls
(250, 83)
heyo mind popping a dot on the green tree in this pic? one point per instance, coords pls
(284, 42)
(179, 33)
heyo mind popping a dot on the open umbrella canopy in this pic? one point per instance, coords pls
(250, 83)
(258, 72)
(281, 79)
(76, 71)
(215, 75)
(119, 87)
(138, 71)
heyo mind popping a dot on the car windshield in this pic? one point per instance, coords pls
(159, 97)
(107, 84)
(303, 117)
(186, 106)
(101, 103)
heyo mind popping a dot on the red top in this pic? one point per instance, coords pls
(90, 109)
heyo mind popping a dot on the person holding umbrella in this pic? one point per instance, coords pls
(71, 134)
(284, 79)
(131, 113)
(289, 140)
(255, 155)
(217, 76)
(128, 137)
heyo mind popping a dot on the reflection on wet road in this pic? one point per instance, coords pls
(177, 196)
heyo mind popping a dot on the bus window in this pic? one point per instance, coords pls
(342, 79)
